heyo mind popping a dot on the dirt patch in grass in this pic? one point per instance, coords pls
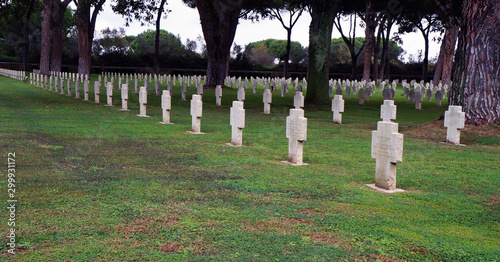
(311, 212)
(198, 246)
(281, 225)
(325, 238)
(146, 225)
(471, 134)
(494, 200)
(384, 258)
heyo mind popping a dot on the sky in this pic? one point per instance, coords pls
(185, 22)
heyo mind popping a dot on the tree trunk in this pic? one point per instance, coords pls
(320, 34)
(57, 36)
(476, 82)
(425, 65)
(45, 38)
(385, 52)
(84, 45)
(26, 41)
(439, 64)
(376, 51)
(369, 40)
(156, 63)
(450, 41)
(86, 26)
(218, 22)
(288, 49)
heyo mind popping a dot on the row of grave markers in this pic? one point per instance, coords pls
(387, 143)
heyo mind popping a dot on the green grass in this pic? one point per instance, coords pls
(97, 184)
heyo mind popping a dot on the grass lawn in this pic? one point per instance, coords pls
(97, 184)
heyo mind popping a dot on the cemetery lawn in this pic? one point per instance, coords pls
(97, 184)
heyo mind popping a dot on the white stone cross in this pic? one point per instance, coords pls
(296, 132)
(241, 94)
(387, 149)
(199, 89)
(418, 100)
(337, 108)
(388, 111)
(124, 93)
(298, 100)
(237, 122)
(143, 101)
(86, 90)
(68, 86)
(196, 114)
(157, 86)
(97, 86)
(166, 105)
(454, 120)
(268, 98)
(109, 93)
(183, 91)
(218, 95)
(77, 89)
(361, 96)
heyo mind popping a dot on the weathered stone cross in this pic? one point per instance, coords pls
(237, 121)
(388, 111)
(268, 97)
(387, 149)
(337, 108)
(196, 113)
(454, 120)
(296, 132)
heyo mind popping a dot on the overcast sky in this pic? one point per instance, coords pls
(185, 22)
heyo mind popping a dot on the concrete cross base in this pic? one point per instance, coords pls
(385, 191)
(451, 144)
(108, 105)
(163, 123)
(293, 164)
(142, 115)
(124, 110)
(229, 144)
(196, 133)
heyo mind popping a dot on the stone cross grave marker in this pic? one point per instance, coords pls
(268, 98)
(454, 120)
(86, 90)
(166, 105)
(296, 132)
(183, 91)
(143, 101)
(97, 86)
(237, 122)
(298, 100)
(387, 94)
(439, 97)
(361, 96)
(241, 94)
(77, 89)
(218, 95)
(62, 86)
(418, 100)
(51, 82)
(157, 87)
(388, 111)
(199, 89)
(124, 93)
(196, 114)
(109, 93)
(337, 108)
(68, 86)
(387, 149)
